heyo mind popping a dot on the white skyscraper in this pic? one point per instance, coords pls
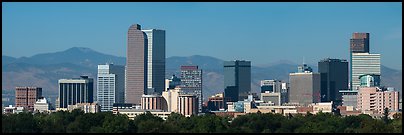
(364, 63)
(110, 85)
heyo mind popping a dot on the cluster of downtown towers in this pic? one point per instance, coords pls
(144, 74)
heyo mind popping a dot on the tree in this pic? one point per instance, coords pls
(386, 115)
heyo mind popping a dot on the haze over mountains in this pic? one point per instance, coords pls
(44, 70)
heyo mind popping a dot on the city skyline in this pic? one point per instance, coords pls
(209, 29)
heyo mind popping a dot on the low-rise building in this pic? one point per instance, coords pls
(41, 105)
(216, 102)
(349, 98)
(86, 107)
(132, 113)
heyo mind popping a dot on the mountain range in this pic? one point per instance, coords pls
(44, 70)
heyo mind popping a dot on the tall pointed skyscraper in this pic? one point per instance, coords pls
(136, 65)
(145, 63)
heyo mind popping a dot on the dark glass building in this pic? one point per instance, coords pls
(237, 79)
(334, 77)
(76, 90)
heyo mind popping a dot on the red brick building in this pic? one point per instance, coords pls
(27, 96)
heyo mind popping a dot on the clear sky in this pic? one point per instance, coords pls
(260, 32)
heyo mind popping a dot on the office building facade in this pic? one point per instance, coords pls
(362, 64)
(376, 99)
(76, 90)
(191, 83)
(153, 102)
(187, 105)
(136, 65)
(27, 96)
(41, 105)
(237, 79)
(349, 98)
(145, 63)
(110, 86)
(359, 43)
(156, 60)
(271, 86)
(334, 77)
(304, 88)
(216, 102)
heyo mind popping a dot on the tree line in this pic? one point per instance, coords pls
(105, 122)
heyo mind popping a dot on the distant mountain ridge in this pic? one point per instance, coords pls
(76, 55)
(45, 69)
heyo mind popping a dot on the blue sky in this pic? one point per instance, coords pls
(260, 32)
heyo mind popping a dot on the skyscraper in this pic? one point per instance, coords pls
(76, 90)
(156, 60)
(304, 88)
(334, 77)
(145, 63)
(110, 86)
(27, 96)
(136, 65)
(362, 64)
(359, 43)
(237, 79)
(191, 83)
(360, 51)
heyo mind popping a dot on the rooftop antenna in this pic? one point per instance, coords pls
(303, 60)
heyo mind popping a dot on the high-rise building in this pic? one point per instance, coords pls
(359, 43)
(191, 83)
(76, 90)
(237, 79)
(110, 86)
(136, 65)
(27, 96)
(156, 60)
(304, 88)
(145, 63)
(362, 64)
(334, 77)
